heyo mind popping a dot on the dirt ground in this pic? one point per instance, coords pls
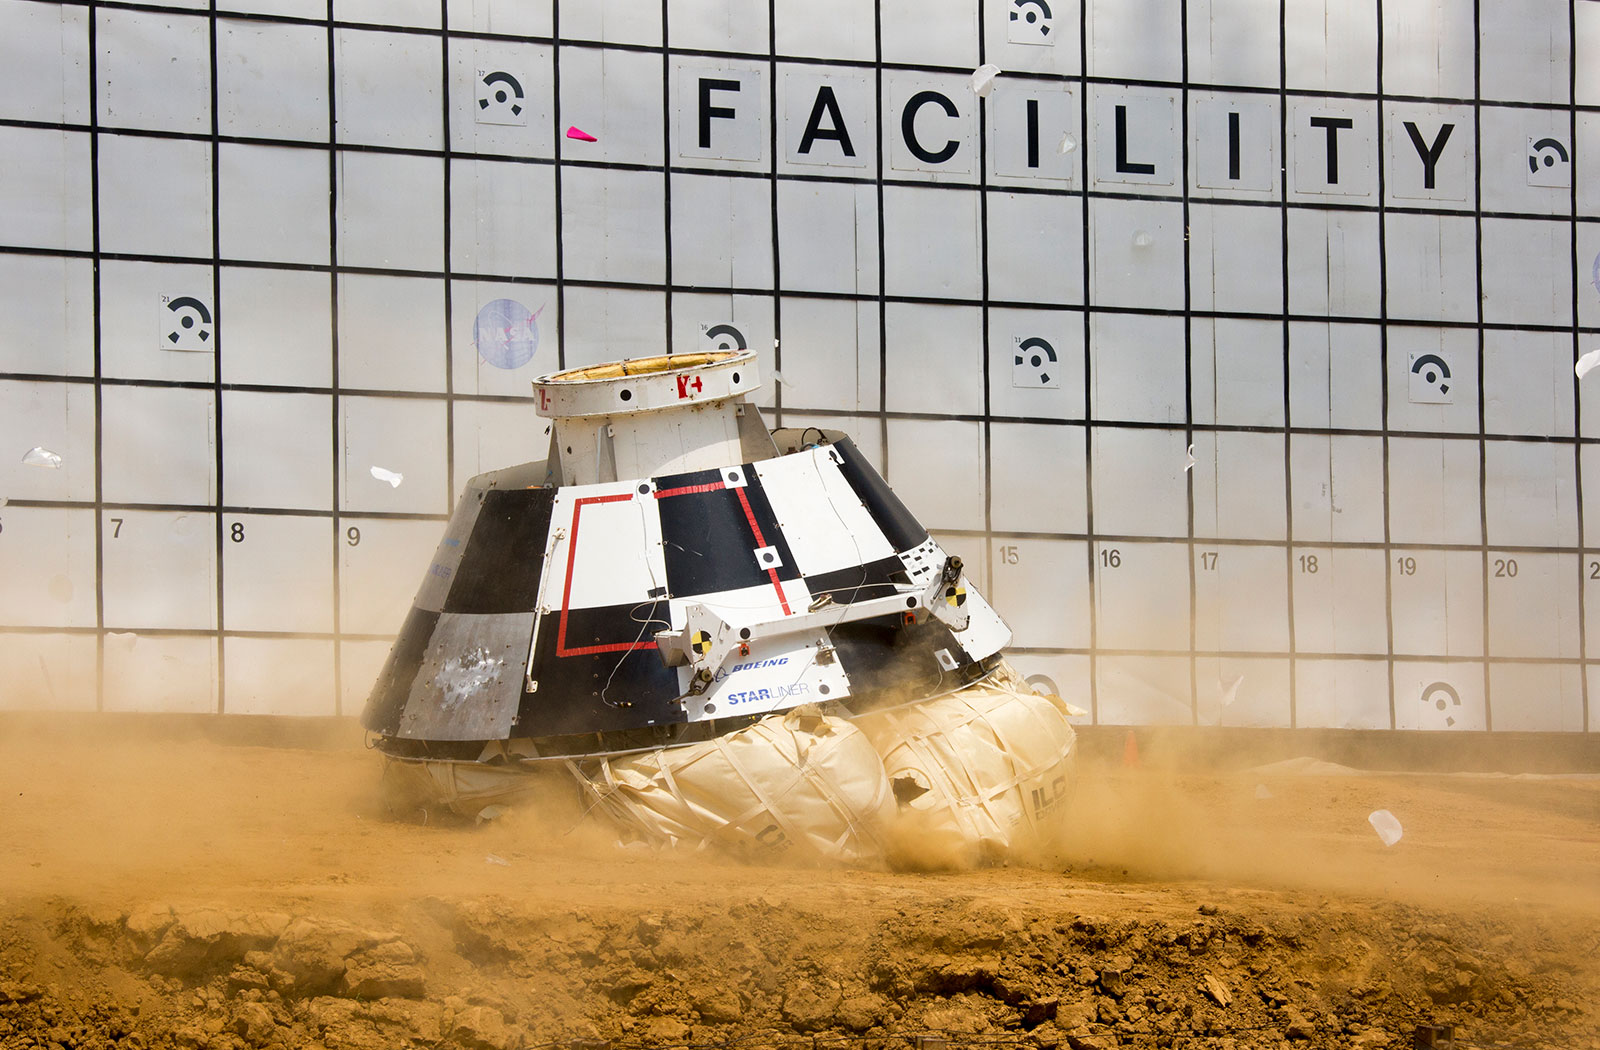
(161, 890)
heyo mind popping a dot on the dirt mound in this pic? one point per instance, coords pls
(495, 973)
(192, 894)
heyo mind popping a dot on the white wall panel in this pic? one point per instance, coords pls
(501, 336)
(931, 239)
(1037, 478)
(1035, 248)
(44, 198)
(160, 672)
(1331, 45)
(399, 435)
(1236, 372)
(46, 74)
(1036, 363)
(142, 310)
(1139, 482)
(278, 676)
(1342, 694)
(169, 95)
(937, 469)
(264, 430)
(389, 333)
(1030, 582)
(272, 203)
(1428, 48)
(160, 569)
(48, 559)
(272, 81)
(155, 196)
(502, 97)
(1334, 264)
(279, 329)
(944, 340)
(50, 672)
(374, 191)
(57, 417)
(158, 445)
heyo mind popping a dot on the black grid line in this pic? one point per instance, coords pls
(1383, 378)
(986, 427)
(1477, 239)
(336, 465)
(883, 281)
(99, 417)
(1288, 363)
(555, 139)
(217, 339)
(1577, 351)
(1088, 369)
(666, 174)
(448, 212)
(1188, 366)
(772, 218)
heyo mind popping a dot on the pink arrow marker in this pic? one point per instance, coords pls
(578, 133)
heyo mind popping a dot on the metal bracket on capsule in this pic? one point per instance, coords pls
(706, 638)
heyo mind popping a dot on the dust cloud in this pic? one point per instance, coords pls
(242, 884)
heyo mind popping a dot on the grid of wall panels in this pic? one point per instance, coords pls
(1229, 342)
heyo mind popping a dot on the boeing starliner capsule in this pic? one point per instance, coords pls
(673, 571)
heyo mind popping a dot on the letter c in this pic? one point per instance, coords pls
(908, 121)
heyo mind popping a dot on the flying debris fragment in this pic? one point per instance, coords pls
(719, 634)
(1228, 689)
(575, 132)
(1586, 364)
(394, 478)
(1385, 824)
(983, 79)
(41, 457)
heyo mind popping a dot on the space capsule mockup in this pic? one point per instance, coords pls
(672, 571)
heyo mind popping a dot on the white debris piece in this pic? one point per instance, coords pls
(983, 79)
(1587, 363)
(1229, 689)
(1190, 465)
(39, 456)
(492, 859)
(1067, 144)
(394, 478)
(1262, 792)
(1385, 824)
